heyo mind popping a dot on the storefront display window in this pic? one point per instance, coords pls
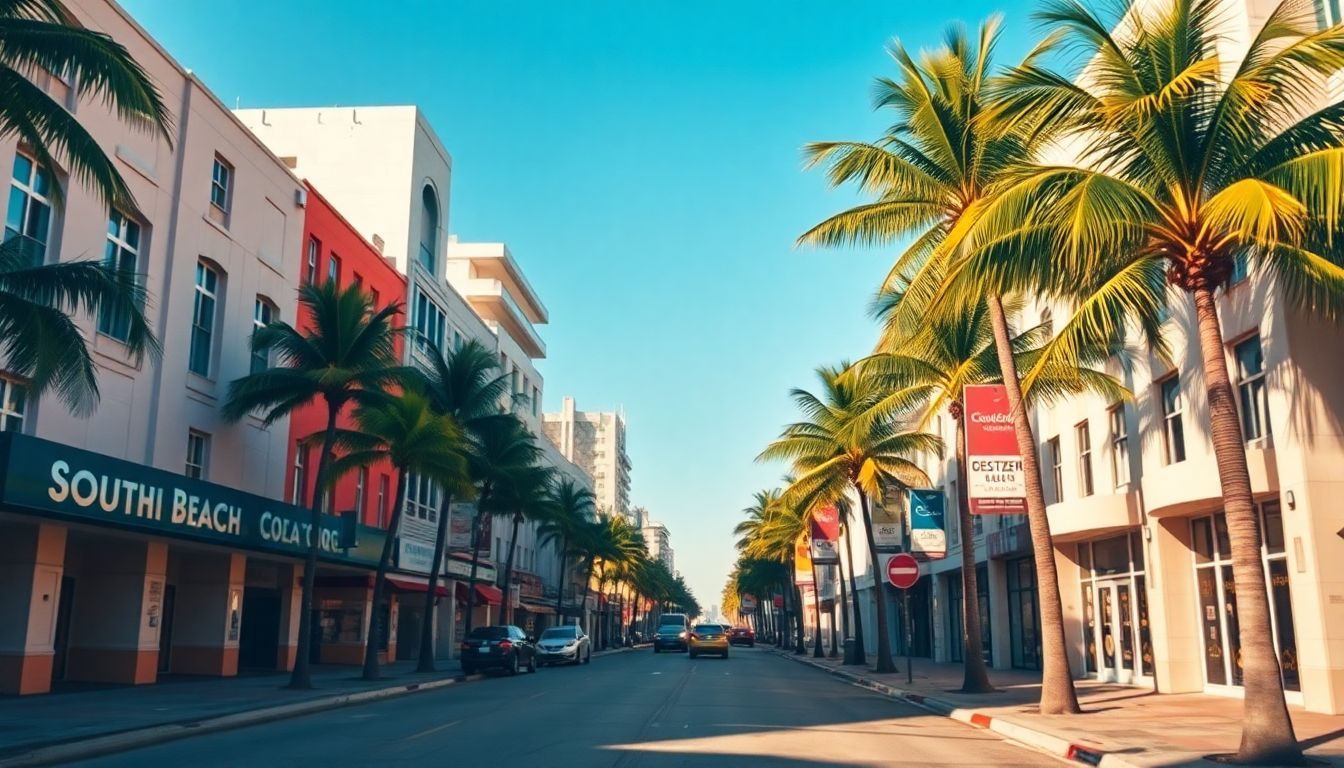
(1116, 634)
(342, 621)
(1024, 621)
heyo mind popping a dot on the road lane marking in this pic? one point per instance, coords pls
(536, 695)
(435, 729)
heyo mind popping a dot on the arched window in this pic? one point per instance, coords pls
(263, 314)
(429, 227)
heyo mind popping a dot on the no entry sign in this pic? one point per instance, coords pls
(902, 571)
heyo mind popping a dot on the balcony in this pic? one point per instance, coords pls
(1192, 486)
(1093, 516)
(491, 300)
(494, 262)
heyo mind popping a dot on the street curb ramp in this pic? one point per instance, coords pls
(98, 746)
(1040, 740)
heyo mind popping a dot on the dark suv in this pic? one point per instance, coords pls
(501, 647)
(673, 629)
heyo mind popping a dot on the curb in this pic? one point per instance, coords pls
(1041, 740)
(160, 734)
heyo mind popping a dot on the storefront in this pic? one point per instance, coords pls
(954, 617)
(1024, 614)
(1117, 638)
(1217, 617)
(115, 572)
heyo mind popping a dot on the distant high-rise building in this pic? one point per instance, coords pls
(595, 441)
(659, 542)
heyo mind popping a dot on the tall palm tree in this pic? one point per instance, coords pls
(571, 506)
(932, 173)
(41, 33)
(413, 437)
(346, 357)
(1186, 163)
(522, 496)
(461, 383)
(840, 446)
(501, 449)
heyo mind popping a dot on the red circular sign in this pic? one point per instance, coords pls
(902, 571)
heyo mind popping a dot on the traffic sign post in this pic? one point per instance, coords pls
(903, 573)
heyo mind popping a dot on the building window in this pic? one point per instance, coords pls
(122, 256)
(357, 280)
(300, 474)
(457, 339)
(221, 184)
(198, 444)
(536, 401)
(429, 227)
(422, 499)
(361, 482)
(1119, 446)
(263, 314)
(1083, 434)
(429, 322)
(1241, 267)
(1251, 392)
(29, 213)
(310, 268)
(383, 482)
(375, 298)
(1056, 459)
(203, 319)
(13, 401)
(334, 269)
(1173, 411)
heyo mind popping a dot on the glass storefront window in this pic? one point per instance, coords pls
(1273, 531)
(1116, 636)
(1212, 628)
(1085, 557)
(1110, 556)
(1145, 632)
(1201, 540)
(1090, 630)
(1024, 623)
(1283, 621)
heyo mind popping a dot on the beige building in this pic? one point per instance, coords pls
(595, 441)
(659, 543)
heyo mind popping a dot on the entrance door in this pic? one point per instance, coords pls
(166, 629)
(64, 609)
(259, 636)
(1115, 625)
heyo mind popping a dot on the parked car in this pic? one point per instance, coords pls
(742, 636)
(672, 631)
(503, 647)
(708, 638)
(567, 644)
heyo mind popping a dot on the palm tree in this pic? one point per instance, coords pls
(501, 449)
(1187, 162)
(461, 384)
(932, 173)
(522, 495)
(841, 446)
(761, 538)
(409, 433)
(345, 357)
(571, 506)
(42, 34)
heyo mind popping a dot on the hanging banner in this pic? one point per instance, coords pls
(928, 533)
(748, 603)
(826, 535)
(826, 588)
(995, 483)
(802, 561)
(887, 526)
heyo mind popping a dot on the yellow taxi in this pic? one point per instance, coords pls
(708, 638)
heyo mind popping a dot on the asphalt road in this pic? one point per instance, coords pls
(624, 711)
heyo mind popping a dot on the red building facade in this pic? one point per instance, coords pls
(334, 250)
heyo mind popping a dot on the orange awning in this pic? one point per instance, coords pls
(489, 594)
(411, 585)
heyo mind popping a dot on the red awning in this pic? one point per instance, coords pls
(538, 608)
(489, 594)
(410, 585)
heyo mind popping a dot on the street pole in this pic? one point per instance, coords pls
(909, 635)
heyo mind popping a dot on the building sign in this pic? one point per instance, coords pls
(50, 479)
(802, 561)
(996, 482)
(415, 556)
(887, 525)
(826, 535)
(748, 603)
(928, 534)
(460, 516)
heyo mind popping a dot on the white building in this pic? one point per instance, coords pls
(595, 441)
(659, 543)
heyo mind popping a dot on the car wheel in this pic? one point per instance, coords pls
(656, 649)
(513, 665)
(692, 654)
(588, 659)
(751, 644)
(468, 671)
(725, 654)
(532, 665)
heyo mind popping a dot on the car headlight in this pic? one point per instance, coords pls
(682, 635)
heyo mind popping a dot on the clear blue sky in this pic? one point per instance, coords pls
(642, 161)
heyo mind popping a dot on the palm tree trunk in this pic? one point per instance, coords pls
(885, 662)
(426, 661)
(844, 603)
(817, 651)
(860, 655)
(1057, 693)
(835, 633)
(560, 593)
(380, 581)
(1267, 731)
(301, 677)
(976, 677)
(587, 592)
(475, 558)
(506, 611)
(796, 600)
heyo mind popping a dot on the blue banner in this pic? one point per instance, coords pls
(928, 535)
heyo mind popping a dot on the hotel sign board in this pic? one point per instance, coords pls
(46, 478)
(996, 482)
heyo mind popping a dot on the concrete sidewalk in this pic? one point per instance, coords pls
(1120, 727)
(77, 722)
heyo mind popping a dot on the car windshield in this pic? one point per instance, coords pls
(560, 633)
(708, 629)
(489, 633)
(672, 621)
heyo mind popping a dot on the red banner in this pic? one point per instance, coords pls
(825, 535)
(995, 483)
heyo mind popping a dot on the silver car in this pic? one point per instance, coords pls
(564, 645)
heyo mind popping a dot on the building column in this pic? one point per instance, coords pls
(291, 601)
(119, 610)
(1178, 649)
(1000, 634)
(1069, 574)
(32, 561)
(208, 614)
